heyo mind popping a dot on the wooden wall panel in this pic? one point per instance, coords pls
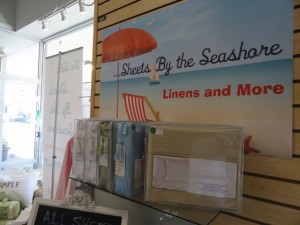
(98, 61)
(297, 68)
(272, 190)
(98, 75)
(271, 186)
(269, 213)
(296, 144)
(296, 93)
(280, 168)
(94, 59)
(131, 11)
(296, 118)
(99, 36)
(99, 49)
(111, 6)
(297, 43)
(96, 113)
(297, 19)
(97, 88)
(97, 101)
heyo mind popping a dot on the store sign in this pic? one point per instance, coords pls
(219, 62)
(63, 77)
(51, 212)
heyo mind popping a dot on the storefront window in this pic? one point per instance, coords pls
(19, 108)
(22, 63)
(77, 39)
(67, 67)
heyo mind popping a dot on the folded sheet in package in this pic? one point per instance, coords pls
(129, 158)
(91, 168)
(105, 152)
(195, 165)
(79, 150)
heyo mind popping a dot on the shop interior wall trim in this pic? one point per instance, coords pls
(271, 186)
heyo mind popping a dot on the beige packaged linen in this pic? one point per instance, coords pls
(195, 165)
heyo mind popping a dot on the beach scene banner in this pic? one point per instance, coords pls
(206, 62)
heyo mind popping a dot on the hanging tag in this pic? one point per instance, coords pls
(120, 160)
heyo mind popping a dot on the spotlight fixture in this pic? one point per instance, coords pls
(63, 15)
(81, 6)
(63, 11)
(44, 25)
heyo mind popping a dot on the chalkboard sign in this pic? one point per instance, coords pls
(51, 212)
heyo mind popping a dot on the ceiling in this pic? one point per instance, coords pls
(31, 34)
(11, 43)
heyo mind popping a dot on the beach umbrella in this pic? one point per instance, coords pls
(126, 43)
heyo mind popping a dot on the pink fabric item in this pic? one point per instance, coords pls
(65, 171)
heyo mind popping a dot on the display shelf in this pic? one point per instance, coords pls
(189, 214)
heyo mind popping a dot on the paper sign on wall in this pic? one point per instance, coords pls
(68, 109)
(219, 62)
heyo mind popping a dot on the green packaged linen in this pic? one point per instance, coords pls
(105, 151)
(9, 210)
(3, 196)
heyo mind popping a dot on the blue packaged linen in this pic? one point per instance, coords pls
(129, 158)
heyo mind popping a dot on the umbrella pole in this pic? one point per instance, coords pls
(118, 87)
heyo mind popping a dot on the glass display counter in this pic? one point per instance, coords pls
(146, 213)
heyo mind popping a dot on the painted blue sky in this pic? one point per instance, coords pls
(219, 25)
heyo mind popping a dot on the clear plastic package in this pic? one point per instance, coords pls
(129, 157)
(79, 150)
(9, 210)
(195, 165)
(105, 152)
(92, 140)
